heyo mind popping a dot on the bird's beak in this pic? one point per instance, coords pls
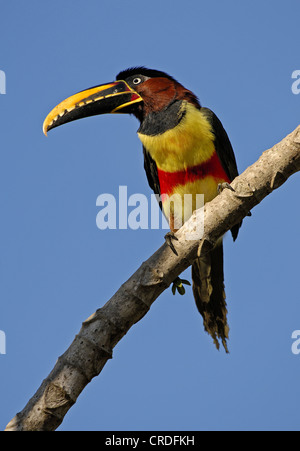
(108, 98)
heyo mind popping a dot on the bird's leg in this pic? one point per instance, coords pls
(171, 235)
(178, 283)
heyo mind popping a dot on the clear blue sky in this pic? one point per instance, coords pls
(57, 267)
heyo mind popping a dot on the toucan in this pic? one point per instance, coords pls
(186, 151)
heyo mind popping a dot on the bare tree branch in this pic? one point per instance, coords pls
(100, 333)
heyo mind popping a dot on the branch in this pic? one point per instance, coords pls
(100, 333)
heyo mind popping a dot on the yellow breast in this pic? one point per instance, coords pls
(188, 144)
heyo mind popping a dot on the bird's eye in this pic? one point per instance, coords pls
(136, 81)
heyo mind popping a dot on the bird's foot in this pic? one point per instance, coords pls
(169, 237)
(178, 285)
(222, 186)
(225, 185)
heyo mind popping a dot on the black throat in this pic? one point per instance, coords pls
(156, 123)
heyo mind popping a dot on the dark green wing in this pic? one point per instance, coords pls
(152, 174)
(225, 153)
(222, 145)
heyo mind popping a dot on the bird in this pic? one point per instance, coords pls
(186, 151)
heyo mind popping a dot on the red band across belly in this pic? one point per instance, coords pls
(211, 167)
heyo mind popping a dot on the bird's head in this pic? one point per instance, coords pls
(137, 91)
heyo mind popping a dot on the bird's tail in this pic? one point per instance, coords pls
(209, 293)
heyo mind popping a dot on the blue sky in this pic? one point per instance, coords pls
(57, 267)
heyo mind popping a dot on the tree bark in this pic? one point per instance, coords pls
(100, 333)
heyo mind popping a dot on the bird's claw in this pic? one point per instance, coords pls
(226, 185)
(169, 237)
(178, 285)
(222, 186)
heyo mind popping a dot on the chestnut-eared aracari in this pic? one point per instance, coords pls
(186, 151)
